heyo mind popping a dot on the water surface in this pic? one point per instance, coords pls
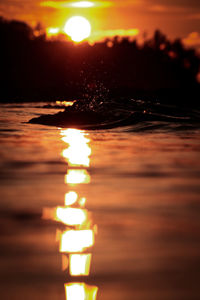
(141, 190)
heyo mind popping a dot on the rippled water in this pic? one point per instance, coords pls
(142, 193)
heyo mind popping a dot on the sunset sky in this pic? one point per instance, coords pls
(176, 18)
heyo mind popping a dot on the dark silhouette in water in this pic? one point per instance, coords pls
(35, 68)
(137, 114)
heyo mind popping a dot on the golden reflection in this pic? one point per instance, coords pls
(76, 158)
(74, 136)
(78, 152)
(70, 198)
(78, 236)
(65, 103)
(65, 262)
(77, 176)
(82, 202)
(79, 264)
(76, 240)
(71, 216)
(80, 291)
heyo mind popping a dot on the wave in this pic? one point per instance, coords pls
(137, 115)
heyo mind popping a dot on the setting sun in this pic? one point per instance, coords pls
(78, 28)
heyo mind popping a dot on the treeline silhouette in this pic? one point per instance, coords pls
(36, 68)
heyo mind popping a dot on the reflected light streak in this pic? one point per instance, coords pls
(77, 176)
(71, 216)
(80, 291)
(70, 198)
(76, 240)
(74, 136)
(79, 264)
(85, 151)
(78, 151)
(77, 157)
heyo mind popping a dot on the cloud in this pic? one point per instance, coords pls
(168, 9)
(175, 3)
(192, 40)
(68, 4)
(101, 35)
(101, 4)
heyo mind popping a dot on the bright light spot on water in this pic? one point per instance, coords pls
(70, 198)
(71, 216)
(76, 156)
(78, 152)
(77, 176)
(76, 240)
(79, 264)
(74, 136)
(80, 291)
(75, 291)
(82, 201)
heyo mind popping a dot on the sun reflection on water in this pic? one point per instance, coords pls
(78, 238)
(70, 198)
(78, 151)
(80, 291)
(77, 176)
(71, 216)
(79, 264)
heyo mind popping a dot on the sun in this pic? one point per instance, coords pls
(78, 28)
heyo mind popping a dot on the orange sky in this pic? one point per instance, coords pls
(176, 18)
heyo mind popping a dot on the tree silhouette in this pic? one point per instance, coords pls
(33, 67)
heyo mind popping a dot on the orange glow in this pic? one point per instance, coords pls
(75, 4)
(78, 28)
(52, 31)
(79, 264)
(65, 262)
(48, 213)
(71, 216)
(76, 240)
(100, 35)
(82, 201)
(192, 40)
(80, 291)
(65, 103)
(70, 198)
(77, 176)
